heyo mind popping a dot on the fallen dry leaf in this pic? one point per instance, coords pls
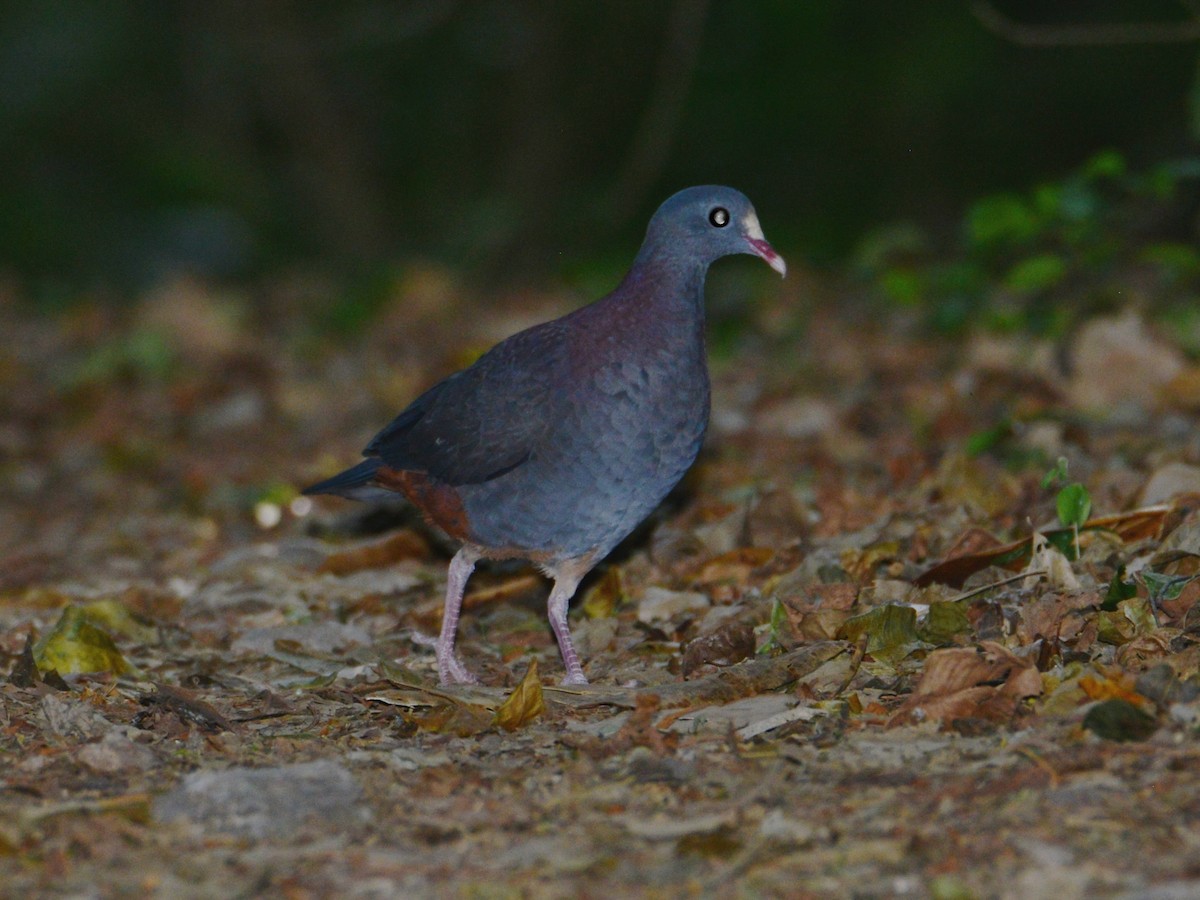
(404, 544)
(985, 682)
(524, 704)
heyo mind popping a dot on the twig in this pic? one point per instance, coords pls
(995, 584)
(860, 650)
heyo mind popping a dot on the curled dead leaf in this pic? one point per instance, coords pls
(524, 704)
(1047, 562)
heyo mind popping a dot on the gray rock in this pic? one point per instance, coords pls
(263, 803)
(115, 753)
(71, 718)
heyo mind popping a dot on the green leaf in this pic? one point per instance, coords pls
(1178, 261)
(1118, 590)
(774, 629)
(1056, 474)
(1036, 273)
(1074, 505)
(1164, 587)
(1003, 220)
(1105, 164)
(983, 441)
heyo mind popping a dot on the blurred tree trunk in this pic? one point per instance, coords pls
(278, 45)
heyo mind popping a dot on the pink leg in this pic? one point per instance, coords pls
(556, 606)
(450, 670)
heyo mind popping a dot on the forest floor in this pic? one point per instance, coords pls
(210, 687)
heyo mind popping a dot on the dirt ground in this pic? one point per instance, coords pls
(853, 655)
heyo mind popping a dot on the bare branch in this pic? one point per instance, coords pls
(1100, 35)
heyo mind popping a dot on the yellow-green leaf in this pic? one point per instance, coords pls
(114, 617)
(75, 646)
(891, 632)
(524, 704)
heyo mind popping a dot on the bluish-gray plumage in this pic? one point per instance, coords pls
(556, 443)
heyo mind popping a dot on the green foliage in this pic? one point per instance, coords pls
(775, 628)
(1055, 475)
(1036, 261)
(1074, 505)
(982, 441)
(141, 355)
(1001, 222)
(1036, 273)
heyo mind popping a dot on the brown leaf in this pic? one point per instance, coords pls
(404, 544)
(524, 704)
(1117, 359)
(1135, 525)
(861, 564)
(986, 683)
(749, 677)
(775, 520)
(1056, 616)
(956, 668)
(819, 610)
(734, 566)
(723, 646)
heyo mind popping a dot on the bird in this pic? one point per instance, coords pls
(555, 444)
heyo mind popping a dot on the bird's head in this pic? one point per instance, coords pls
(709, 222)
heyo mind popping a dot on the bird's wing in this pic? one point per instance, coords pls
(484, 421)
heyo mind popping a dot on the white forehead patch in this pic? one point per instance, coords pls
(751, 228)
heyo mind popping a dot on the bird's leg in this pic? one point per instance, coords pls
(450, 669)
(556, 606)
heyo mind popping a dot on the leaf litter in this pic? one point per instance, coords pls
(855, 653)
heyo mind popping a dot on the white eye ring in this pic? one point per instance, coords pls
(718, 217)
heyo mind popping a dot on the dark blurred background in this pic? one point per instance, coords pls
(517, 139)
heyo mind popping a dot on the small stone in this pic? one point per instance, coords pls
(71, 718)
(661, 605)
(261, 803)
(115, 753)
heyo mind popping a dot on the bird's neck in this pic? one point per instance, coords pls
(666, 287)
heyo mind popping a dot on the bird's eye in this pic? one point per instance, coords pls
(719, 217)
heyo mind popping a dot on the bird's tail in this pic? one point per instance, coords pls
(356, 483)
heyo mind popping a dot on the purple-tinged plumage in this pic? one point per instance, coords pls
(558, 441)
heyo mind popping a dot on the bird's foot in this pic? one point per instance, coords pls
(452, 671)
(574, 678)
